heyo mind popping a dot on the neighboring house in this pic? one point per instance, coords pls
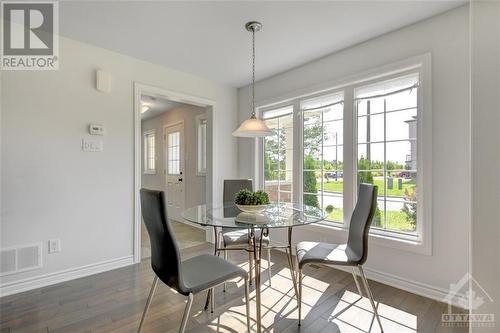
(411, 160)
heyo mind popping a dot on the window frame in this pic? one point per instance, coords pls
(293, 192)
(199, 121)
(421, 242)
(417, 235)
(301, 149)
(146, 135)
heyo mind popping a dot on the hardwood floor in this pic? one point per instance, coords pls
(113, 302)
(185, 235)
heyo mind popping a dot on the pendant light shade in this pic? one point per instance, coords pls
(253, 127)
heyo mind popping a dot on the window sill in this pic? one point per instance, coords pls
(378, 238)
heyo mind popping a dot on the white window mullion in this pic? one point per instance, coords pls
(350, 154)
(279, 160)
(385, 164)
(322, 161)
(298, 163)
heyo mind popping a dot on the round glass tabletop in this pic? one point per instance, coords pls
(276, 215)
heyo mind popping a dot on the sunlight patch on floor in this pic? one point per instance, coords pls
(353, 314)
(323, 310)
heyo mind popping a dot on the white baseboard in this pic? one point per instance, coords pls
(418, 288)
(414, 287)
(64, 275)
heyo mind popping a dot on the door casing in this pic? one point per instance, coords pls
(212, 196)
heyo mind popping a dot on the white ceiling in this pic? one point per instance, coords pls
(157, 106)
(208, 39)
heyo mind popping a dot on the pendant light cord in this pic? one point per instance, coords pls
(253, 74)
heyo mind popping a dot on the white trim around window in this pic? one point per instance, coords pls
(149, 138)
(421, 240)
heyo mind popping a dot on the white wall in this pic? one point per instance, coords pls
(194, 184)
(485, 18)
(446, 38)
(50, 188)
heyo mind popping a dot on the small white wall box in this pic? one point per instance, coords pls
(103, 81)
(96, 129)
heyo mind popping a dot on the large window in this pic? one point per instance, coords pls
(278, 155)
(369, 130)
(323, 138)
(387, 149)
(149, 152)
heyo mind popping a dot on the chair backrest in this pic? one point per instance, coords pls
(361, 219)
(233, 186)
(165, 258)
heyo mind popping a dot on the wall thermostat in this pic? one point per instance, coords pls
(96, 129)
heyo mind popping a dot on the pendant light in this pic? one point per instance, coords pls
(253, 127)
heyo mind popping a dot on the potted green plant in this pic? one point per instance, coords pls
(251, 202)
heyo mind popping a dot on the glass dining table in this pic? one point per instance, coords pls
(276, 215)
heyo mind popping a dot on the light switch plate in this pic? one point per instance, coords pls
(92, 145)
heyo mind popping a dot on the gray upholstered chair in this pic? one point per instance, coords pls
(353, 253)
(238, 239)
(187, 277)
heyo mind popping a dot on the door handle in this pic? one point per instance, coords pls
(180, 179)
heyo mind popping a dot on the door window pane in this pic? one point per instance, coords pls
(173, 153)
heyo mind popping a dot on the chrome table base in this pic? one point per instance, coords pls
(257, 259)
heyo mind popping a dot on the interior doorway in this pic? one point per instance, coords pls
(175, 156)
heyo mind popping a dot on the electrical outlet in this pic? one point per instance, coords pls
(54, 245)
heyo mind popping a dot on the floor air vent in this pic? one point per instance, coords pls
(19, 259)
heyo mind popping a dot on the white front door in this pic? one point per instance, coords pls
(174, 170)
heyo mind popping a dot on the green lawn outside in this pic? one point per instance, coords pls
(337, 215)
(337, 186)
(396, 220)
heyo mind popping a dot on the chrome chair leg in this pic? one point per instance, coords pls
(269, 264)
(357, 283)
(250, 267)
(299, 298)
(292, 269)
(247, 303)
(370, 295)
(225, 258)
(212, 300)
(148, 302)
(186, 313)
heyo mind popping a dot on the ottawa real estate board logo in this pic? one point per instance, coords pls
(30, 35)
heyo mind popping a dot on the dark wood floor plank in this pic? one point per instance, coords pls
(113, 302)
